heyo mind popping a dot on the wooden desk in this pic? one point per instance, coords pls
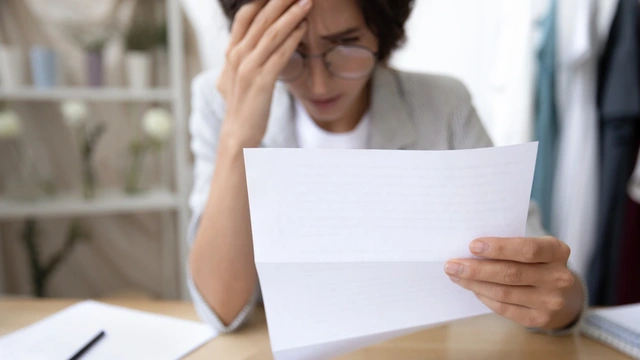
(486, 337)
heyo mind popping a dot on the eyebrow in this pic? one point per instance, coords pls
(341, 34)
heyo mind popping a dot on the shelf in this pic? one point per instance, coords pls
(106, 203)
(87, 94)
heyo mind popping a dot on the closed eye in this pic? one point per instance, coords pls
(350, 40)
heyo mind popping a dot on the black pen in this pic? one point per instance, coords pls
(86, 348)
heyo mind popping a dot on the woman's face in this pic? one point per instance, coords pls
(328, 98)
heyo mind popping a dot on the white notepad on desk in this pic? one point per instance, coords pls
(618, 327)
(130, 334)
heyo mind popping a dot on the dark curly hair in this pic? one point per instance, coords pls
(385, 18)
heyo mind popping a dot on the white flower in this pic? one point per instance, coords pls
(75, 112)
(10, 126)
(157, 124)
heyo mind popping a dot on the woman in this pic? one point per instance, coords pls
(312, 74)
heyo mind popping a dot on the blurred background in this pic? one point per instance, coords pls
(95, 166)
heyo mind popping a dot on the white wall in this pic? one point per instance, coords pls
(491, 46)
(211, 30)
(454, 37)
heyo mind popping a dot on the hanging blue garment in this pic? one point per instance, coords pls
(546, 124)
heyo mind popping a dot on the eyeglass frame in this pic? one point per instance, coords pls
(307, 58)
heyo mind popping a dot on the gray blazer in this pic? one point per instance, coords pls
(409, 111)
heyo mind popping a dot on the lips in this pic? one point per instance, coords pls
(326, 102)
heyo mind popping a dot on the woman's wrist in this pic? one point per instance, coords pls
(234, 140)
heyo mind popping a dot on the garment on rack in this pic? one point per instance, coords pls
(575, 184)
(546, 126)
(619, 103)
(604, 18)
(629, 266)
(634, 183)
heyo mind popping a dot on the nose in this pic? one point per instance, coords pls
(318, 76)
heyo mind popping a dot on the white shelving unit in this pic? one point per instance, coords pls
(171, 204)
(107, 202)
(87, 94)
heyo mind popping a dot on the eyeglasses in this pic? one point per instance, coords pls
(344, 61)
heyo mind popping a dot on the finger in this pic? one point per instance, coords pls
(281, 57)
(522, 315)
(243, 20)
(525, 250)
(510, 273)
(527, 296)
(270, 14)
(274, 37)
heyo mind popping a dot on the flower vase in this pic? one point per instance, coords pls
(139, 66)
(44, 67)
(88, 143)
(95, 70)
(162, 176)
(88, 180)
(134, 168)
(12, 71)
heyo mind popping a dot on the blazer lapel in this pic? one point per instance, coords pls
(391, 125)
(281, 130)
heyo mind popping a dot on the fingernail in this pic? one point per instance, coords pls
(478, 247)
(453, 269)
(454, 279)
(304, 3)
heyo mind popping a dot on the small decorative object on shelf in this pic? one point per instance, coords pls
(21, 179)
(76, 115)
(12, 70)
(11, 60)
(41, 271)
(95, 67)
(157, 124)
(95, 64)
(93, 38)
(44, 67)
(141, 40)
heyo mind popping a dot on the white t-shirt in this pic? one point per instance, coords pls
(311, 136)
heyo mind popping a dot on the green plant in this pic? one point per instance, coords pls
(88, 145)
(142, 38)
(40, 271)
(162, 36)
(96, 45)
(92, 37)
